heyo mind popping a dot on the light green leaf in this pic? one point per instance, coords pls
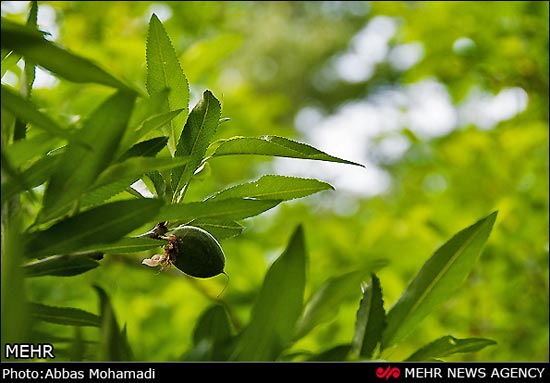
(195, 139)
(64, 315)
(104, 224)
(274, 315)
(229, 209)
(32, 177)
(164, 71)
(438, 279)
(334, 354)
(26, 111)
(134, 167)
(371, 319)
(32, 45)
(79, 167)
(62, 265)
(274, 187)
(28, 149)
(99, 195)
(449, 345)
(274, 146)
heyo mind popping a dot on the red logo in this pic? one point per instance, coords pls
(389, 372)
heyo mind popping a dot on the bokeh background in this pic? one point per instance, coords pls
(445, 103)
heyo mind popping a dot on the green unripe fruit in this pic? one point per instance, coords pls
(195, 252)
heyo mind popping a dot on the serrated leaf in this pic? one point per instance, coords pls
(278, 306)
(274, 146)
(438, 278)
(104, 224)
(197, 135)
(64, 315)
(218, 228)
(371, 320)
(79, 167)
(62, 265)
(324, 303)
(164, 71)
(34, 47)
(26, 111)
(135, 167)
(126, 245)
(99, 195)
(229, 209)
(449, 345)
(274, 187)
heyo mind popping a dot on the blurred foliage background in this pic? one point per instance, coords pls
(446, 103)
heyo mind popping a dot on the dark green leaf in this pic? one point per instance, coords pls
(448, 345)
(197, 135)
(274, 146)
(164, 71)
(440, 276)
(126, 245)
(148, 148)
(64, 315)
(274, 187)
(278, 307)
(103, 224)
(79, 167)
(228, 209)
(211, 333)
(32, 45)
(30, 69)
(371, 319)
(62, 265)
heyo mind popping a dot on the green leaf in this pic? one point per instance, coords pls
(218, 228)
(148, 148)
(437, 280)
(164, 71)
(30, 69)
(100, 194)
(278, 307)
(113, 345)
(64, 315)
(211, 335)
(274, 146)
(274, 187)
(79, 167)
(32, 177)
(324, 303)
(371, 319)
(449, 345)
(104, 224)
(135, 167)
(156, 123)
(25, 110)
(28, 149)
(62, 265)
(34, 47)
(228, 209)
(126, 245)
(195, 139)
